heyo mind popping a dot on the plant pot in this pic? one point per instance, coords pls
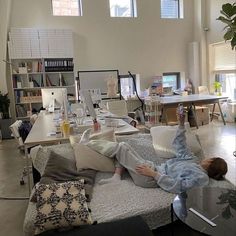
(4, 126)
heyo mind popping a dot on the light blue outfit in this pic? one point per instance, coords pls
(181, 173)
(176, 175)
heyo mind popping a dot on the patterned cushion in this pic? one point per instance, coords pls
(61, 205)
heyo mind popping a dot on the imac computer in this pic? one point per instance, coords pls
(87, 99)
(54, 98)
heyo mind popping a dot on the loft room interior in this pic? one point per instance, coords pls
(139, 60)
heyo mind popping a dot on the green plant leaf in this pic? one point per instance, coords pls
(223, 13)
(229, 35)
(224, 20)
(233, 42)
(228, 9)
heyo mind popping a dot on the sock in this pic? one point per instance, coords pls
(85, 136)
(116, 177)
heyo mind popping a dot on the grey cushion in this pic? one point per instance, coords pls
(60, 169)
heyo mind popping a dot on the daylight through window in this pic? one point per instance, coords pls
(172, 9)
(67, 7)
(123, 8)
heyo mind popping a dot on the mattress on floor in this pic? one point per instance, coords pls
(123, 199)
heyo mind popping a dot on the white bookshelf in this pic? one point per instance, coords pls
(39, 58)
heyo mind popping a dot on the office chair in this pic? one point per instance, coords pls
(20, 131)
(119, 108)
(15, 133)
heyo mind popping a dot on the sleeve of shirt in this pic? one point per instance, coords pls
(182, 184)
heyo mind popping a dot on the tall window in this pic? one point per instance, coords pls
(67, 7)
(127, 85)
(123, 8)
(171, 80)
(228, 83)
(223, 63)
(172, 9)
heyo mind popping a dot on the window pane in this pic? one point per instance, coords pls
(170, 9)
(228, 82)
(122, 8)
(127, 87)
(66, 7)
(170, 81)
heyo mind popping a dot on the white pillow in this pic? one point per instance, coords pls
(163, 136)
(87, 158)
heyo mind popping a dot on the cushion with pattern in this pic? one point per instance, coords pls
(61, 205)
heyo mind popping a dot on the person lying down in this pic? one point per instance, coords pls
(175, 175)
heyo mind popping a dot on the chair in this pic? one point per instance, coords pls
(119, 108)
(203, 90)
(15, 133)
(20, 132)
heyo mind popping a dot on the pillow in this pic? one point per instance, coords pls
(74, 139)
(105, 134)
(61, 205)
(60, 169)
(163, 137)
(86, 158)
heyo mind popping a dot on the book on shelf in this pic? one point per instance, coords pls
(57, 65)
(21, 111)
(36, 66)
(36, 84)
(48, 81)
(63, 81)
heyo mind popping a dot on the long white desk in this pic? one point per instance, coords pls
(189, 100)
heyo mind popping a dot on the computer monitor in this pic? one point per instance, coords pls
(87, 99)
(54, 98)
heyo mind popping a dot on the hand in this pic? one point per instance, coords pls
(145, 170)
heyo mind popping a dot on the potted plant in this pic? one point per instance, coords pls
(5, 120)
(229, 18)
(217, 86)
(4, 106)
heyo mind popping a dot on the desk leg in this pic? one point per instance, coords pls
(222, 116)
(27, 167)
(194, 115)
(213, 110)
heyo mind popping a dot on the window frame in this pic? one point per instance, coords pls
(80, 10)
(180, 11)
(133, 10)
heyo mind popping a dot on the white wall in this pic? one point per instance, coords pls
(215, 33)
(146, 45)
(5, 6)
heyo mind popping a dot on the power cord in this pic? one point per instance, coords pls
(14, 198)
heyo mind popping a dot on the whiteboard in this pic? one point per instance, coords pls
(97, 79)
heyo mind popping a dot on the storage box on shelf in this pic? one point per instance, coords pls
(30, 75)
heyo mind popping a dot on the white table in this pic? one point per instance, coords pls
(189, 100)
